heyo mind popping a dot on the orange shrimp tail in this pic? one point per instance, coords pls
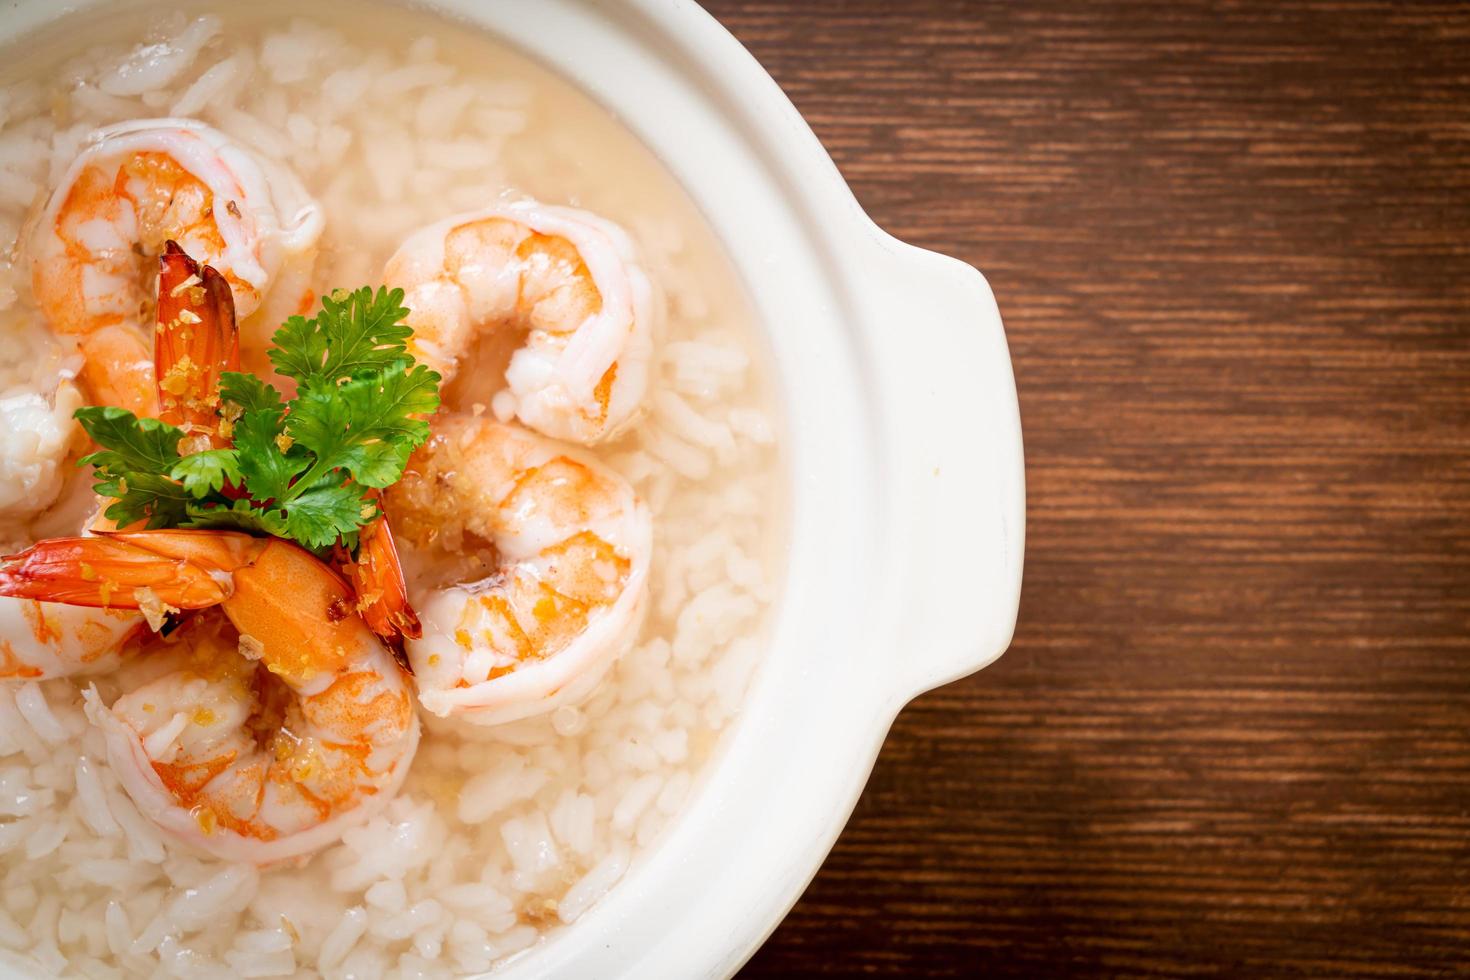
(277, 593)
(298, 609)
(219, 551)
(197, 339)
(108, 572)
(377, 578)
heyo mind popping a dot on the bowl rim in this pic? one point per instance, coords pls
(834, 288)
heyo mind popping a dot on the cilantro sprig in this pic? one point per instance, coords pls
(304, 469)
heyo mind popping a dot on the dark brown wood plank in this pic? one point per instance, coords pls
(1231, 242)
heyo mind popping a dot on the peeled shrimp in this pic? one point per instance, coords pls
(37, 434)
(40, 639)
(136, 185)
(569, 280)
(47, 639)
(264, 732)
(552, 552)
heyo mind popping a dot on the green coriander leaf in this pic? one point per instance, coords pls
(377, 464)
(110, 486)
(206, 472)
(145, 445)
(319, 419)
(342, 424)
(132, 469)
(109, 465)
(264, 463)
(354, 333)
(147, 497)
(248, 392)
(239, 515)
(322, 514)
(299, 348)
(127, 510)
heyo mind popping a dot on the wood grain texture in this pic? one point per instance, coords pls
(1231, 243)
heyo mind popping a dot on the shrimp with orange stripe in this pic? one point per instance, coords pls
(564, 287)
(547, 553)
(135, 186)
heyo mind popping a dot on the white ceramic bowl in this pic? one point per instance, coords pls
(903, 443)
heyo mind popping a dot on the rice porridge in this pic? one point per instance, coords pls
(500, 833)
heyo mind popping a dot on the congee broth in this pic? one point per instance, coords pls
(214, 759)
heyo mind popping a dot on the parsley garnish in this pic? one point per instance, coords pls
(305, 469)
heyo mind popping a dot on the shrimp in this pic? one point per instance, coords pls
(558, 594)
(37, 639)
(137, 184)
(196, 341)
(569, 280)
(37, 434)
(46, 639)
(377, 581)
(269, 729)
(116, 370)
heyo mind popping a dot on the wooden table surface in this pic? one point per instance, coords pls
(1231, 244)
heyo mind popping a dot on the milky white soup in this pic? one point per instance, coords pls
(502, 834)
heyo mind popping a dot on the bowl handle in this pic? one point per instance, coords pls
(951, 436)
